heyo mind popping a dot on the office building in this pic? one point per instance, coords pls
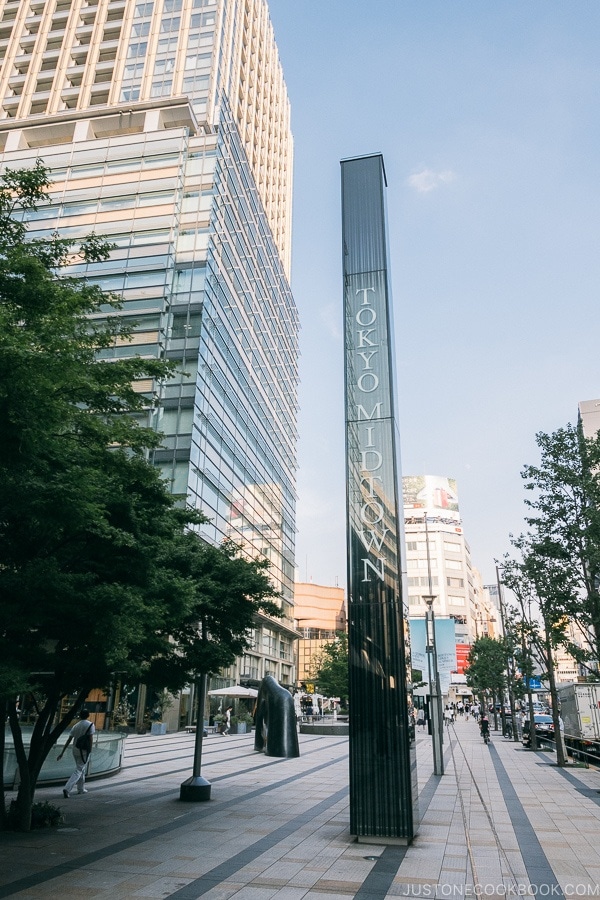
(320, 612)
(166, 126)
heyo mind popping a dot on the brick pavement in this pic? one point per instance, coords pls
(502, 821)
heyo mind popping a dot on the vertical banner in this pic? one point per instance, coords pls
(383, 778)
(445, 642)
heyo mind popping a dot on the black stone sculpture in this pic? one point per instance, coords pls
(276, 732)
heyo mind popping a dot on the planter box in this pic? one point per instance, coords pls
(240, 728)
(158, 728)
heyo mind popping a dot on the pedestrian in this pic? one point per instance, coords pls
(484, 727)
(227, 721)
(421, 717)
(82, 736)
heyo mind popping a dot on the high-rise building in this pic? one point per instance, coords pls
(166, 127)
(438, 557)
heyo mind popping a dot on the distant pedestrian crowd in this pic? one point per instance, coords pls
(462, 709)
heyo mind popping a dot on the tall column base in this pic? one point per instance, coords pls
(195, 789)
(385, 841)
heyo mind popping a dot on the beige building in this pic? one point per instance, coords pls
(567, 667)
(66, 63)
(320, 611)
(589, 417)
(166, 127)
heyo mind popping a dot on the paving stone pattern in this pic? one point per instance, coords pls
(500, 822)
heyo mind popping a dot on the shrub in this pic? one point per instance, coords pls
(43, 815)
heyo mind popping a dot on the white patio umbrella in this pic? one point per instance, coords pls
(234, 691)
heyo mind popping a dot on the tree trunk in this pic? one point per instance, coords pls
(502, 713)
(532, 734)
(3, 815)
(561, 757)
(594, 607)
(43, 739)
(21, 807)
(528, 669)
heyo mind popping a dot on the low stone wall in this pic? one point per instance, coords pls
(324, 728)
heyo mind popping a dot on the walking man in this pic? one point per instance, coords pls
(81, 735)
(227, 721)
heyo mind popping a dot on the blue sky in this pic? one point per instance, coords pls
(488, 117)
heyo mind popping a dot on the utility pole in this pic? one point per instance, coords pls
(509, 663)
(435, 694)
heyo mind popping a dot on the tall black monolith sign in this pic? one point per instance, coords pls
(383, 775)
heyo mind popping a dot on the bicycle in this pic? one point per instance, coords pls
(485, 730)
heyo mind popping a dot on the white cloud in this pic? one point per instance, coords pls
(427, 180)
(331, 319)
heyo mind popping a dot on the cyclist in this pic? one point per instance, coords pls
(485, 728)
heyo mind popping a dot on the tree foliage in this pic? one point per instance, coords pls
(539, 589)
(99, 574)
(486, 672)
(555, 576)
(224, 593)
(562, 547)
(330, 668)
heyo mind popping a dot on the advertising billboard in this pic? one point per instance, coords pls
(434, 496)
(462, 653)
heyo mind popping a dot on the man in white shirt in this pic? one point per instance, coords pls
(83, 729)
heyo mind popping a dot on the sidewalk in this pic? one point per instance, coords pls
(501, 821)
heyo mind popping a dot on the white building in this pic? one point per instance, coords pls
(438, 558)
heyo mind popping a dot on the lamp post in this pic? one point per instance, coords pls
(435, 694)
(509, 663)
(197, 788)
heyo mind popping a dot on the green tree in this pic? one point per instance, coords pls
(564, 537)
(81, 510)
(224, 592)
(330, 668)
(98, 574)
(543, 592)
(486, 672)
(558, 570)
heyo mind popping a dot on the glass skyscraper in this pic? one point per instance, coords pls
(166, 128)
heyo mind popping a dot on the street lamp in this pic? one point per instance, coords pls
(435, 694)
(509, 663)
(197, 788)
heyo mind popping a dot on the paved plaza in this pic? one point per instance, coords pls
(502, 821)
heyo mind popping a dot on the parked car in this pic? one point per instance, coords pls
(544, 728)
